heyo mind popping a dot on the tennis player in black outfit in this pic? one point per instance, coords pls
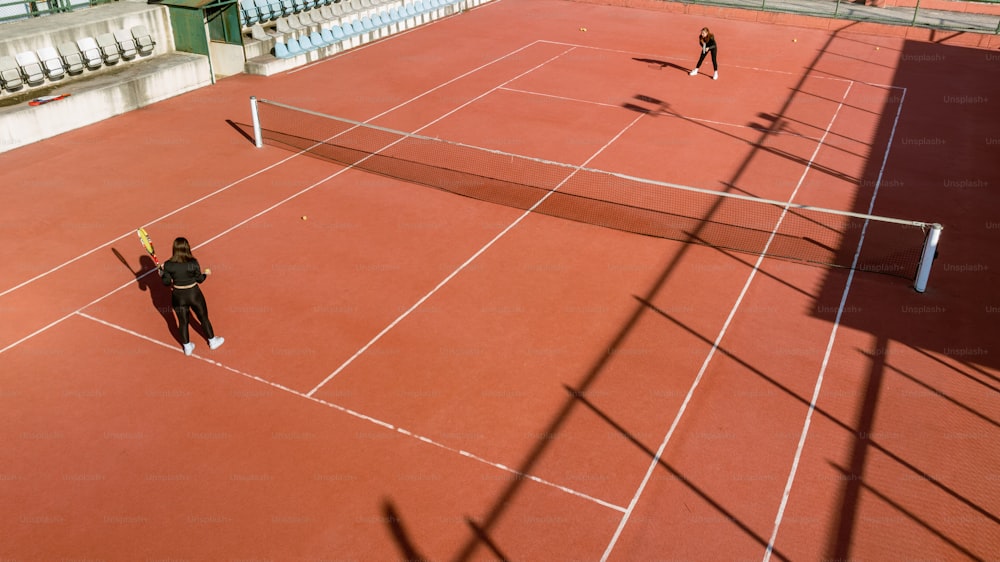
(183, 274)
(707, 42)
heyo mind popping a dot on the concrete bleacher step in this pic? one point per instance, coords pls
(267, 65)
(260, 55)
(101, 96)
(110, 90)
(35, 33)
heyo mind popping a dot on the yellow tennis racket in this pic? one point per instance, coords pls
(147, 243)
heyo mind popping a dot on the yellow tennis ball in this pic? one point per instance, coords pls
(795, 40)
(304, 217)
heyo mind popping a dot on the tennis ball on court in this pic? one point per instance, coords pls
(795, 40)
(583, 29)
(304, 217)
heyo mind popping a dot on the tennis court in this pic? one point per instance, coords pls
(410, 373)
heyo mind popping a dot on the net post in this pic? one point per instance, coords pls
(257, 140)
(927, 257)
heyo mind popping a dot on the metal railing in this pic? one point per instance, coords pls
(20, 10)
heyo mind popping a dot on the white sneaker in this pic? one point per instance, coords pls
(716, 75)
(189, 348)
(694, 72)
(216, 342)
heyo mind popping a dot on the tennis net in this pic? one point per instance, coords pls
(723, 220)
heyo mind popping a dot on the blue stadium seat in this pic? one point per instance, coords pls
(338, 33)
(411, 11)
(263, 10)
(327, 35)
(367, 24)
(358, 27)
(249, 13)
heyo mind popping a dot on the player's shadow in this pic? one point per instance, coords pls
(147, 279)
(647, 105)
(660, 64)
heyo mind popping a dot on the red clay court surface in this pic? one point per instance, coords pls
(409, 374)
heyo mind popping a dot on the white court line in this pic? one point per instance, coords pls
(829, 345)
(466, 263)
(715, 345)
(686, 58)
(348, 411)
(130, 282)
(254, 174)
(132, 233)
(203, 198)
(618, 106)
(256, 378)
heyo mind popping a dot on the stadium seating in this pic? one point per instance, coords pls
(126, 44)
(10, 74)
(143, 40)
(109, 48)
(257, 33)
(31, 68)
(248, 13)
(91, 52)
(71, 57)
(52, 64)
(281, 50)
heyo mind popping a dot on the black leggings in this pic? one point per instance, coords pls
(701, 59)
(184, 300)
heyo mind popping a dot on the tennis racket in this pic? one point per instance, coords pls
(46, 99)
(147, 243)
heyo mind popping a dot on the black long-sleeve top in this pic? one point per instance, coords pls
(707, 43)
(182, 274)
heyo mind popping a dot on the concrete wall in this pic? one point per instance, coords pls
(50, 31)
(103, 97)
(98, 94)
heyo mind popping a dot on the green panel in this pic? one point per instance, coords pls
(189, 30)
(224, 24)
(234, 31)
